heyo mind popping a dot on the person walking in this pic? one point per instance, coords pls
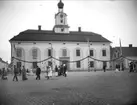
(64, 70)
(38, 72)
(49, 72)
(24, 74)
(56, 70)
(15, 73)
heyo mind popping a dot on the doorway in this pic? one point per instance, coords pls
(65, 60)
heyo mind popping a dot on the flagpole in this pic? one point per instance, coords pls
(120, 46)
(120, 53)
(88, 54)
(51, 55)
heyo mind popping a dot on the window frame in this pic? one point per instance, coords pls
(35, 53)
(104, 54)
(64, 52)
(92, 64)
(91, 54)
(78, 64)
(49, 52)
(19, 52)
(78, 52)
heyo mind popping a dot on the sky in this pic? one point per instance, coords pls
(113, 19)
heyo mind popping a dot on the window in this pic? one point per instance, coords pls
(61, 15)
(18, 64)
(49, 63)
(91, 53)
(61, 21)
(64, 52)
(34, 64)
(34, 53)
(78, 64)
(19, 53)
(49, 52)
(91, 63)
(77, 52)
(103, 52)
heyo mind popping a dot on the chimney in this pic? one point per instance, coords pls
(79, 29)
(130, 45)
(39, 27)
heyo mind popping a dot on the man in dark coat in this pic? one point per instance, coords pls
(104, 68)
(38, 71)
(64, 70)
(15, 73)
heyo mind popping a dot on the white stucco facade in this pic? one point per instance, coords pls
(57, 53)
(60, 27)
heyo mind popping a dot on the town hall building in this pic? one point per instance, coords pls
(60, 45)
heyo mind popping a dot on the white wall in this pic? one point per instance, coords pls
(57, 46)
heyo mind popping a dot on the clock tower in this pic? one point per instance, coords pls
(61, 25)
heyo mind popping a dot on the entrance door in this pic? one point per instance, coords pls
(65, 60)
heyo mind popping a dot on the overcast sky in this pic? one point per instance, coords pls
(113, 19)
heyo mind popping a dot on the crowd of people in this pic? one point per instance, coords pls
(133, 67)
(58, 71)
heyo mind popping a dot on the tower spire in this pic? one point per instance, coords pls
(60, 4)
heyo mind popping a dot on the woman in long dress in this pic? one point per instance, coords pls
(50, 72)
(24, 74)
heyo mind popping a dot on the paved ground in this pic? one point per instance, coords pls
(79, 88)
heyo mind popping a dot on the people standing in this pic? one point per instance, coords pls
(56, 70)
(131, 67)
(38, 72)
(49, 72)
(4, 74)
(104, 68)
(24, 73)
(59, 71)
(64, 70)
(15, 73)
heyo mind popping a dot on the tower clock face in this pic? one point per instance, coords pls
(61, 15)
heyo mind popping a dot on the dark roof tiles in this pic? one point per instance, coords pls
(48, 35)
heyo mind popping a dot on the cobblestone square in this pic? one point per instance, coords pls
(78, 88)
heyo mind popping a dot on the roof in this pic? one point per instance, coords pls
(3, 61)
(49, 35)
(127, 51)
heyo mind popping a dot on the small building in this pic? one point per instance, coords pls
(129, 54)
(35, 47)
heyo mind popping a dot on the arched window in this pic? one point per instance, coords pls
(104, 52)
(34, 53)
(49, 52)
(77, 52)
(19, 52)
(64, 52)
(91, 52)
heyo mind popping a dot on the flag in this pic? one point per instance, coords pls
(120, 47)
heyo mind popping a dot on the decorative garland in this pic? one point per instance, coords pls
(31, 61)
(70, 61)
(112, 60)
